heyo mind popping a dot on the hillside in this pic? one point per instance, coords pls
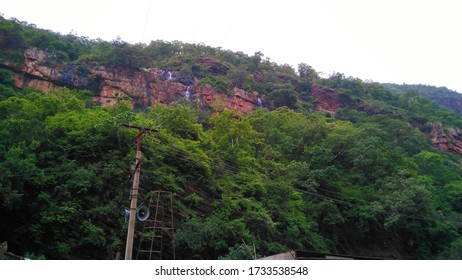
(442, 96)
(261, 158)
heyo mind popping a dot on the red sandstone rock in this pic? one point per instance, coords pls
(449, 142)
(36, 65)
(439, 138)
(144, 87)
(455, 143)
(327, 100)
(147, 87)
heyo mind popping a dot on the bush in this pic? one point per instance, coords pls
(219, 83)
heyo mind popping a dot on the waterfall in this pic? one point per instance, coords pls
(187, 94)
(259, 103)
(170, 76)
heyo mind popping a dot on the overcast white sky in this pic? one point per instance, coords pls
(400, 41)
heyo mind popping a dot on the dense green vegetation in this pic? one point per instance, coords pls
(441, 95)
(366, 182)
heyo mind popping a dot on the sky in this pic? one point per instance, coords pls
(397, 41)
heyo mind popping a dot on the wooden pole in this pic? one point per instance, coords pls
(134, 198)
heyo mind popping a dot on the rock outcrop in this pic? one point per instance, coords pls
(143, 87)
(455, 143)
(328, 100)
(448, 141)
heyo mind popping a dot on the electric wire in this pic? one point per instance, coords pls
(321, 196)
(347, 203)
(199, 23)
(146, 20)
(213, 163)
(354, 205)
(183, 155)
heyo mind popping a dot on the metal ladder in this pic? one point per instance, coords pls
(158, 230)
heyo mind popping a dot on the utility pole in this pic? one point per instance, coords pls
(134, 192)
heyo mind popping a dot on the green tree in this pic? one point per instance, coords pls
(6, 84)
(308, 76)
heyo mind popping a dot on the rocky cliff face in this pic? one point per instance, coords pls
(448, 141)
(156, 86)
(143, 87)
(328, 100)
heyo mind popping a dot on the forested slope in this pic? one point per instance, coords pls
(441, 95)
(334, 165)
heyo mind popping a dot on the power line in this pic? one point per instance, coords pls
(213, 163)
(320, 196)
(184, 154)
(180, 153)
(354, 205)
(146, 20)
